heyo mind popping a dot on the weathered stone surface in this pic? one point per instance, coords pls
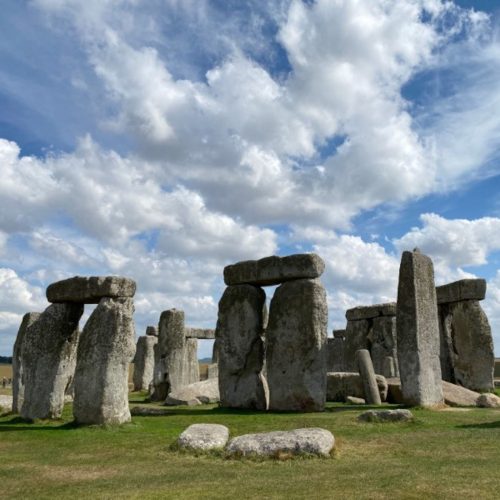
(105, 350)
(356, 337)
(240, 348)
(144, 361)
(296, 346)
(466, 289)
(48, 360)
(314, 441)
(149, 411)
(340, 385)
(152, 331)
(335, 355)
(17, 362)
(159, 388)
(373, 311)
(6, 404)
(179, 354)
(383, 338)
(274, 270)
(339, 334)
(390, 367)
(200, 333)
(467, 355)
(418, 332)
(386, 416)
(370, 387)
(90, 290)
(488, 400)
(206, 391)
(355, 401)
(213, 370)
(204, 437)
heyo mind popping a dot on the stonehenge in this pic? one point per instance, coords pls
(144, 360)
(290, 351)
(365, 367)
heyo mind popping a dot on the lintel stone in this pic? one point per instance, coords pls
(466, 289)
(200, 333)
(373, 311)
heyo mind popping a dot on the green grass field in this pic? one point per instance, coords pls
(445, 454)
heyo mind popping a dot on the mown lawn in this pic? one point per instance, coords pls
(444, 454)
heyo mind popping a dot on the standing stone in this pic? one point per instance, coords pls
(105, 350)
(356, 337)
(144, 362)
(390, 366)
(240, 348)
(365, 367)
(48, 360)
(179, 354)
(418, 332)
(296, 346)
(384, 343)
(152, 331)
(159, 388)
(335, 355)
(17, 362)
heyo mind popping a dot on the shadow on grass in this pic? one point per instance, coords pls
(20, 424)
(485, 425)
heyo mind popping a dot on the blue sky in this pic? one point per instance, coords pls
(162, 140)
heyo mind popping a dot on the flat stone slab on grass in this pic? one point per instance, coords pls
(204, 437)
(466, 289)
(204, 392)
(313, 441)
(274, 270)
(5, 404)
(90, 290)
(147, 411)
(354, 401)
(386, 416)
(488, 400)
(373, 311)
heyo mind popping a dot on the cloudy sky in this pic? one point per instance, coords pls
(165, 139)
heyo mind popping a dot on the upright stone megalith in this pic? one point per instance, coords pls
(17, 362)
(240, 347)
(296, 346)
(418, 332)
(48, 360)
(365, 367)
(105, 350)
(144, 362)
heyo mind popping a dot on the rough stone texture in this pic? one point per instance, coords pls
(335, 355)
(341, 385)
(390, 367)
(144, 361)
(240, 348)
(213, 370)
(296, 346)
(373, 311)
(204, 392)
(488, 400)
(386, 416)
(355, 401)
(200, 333)
(90, 290)
(204, 437)
(466, 289)
(48, 360)
(356, 337)
(159, 388)
(178, 354)
(418, 332)
(274, 270)
(314, 441)
(383, 343)
(148, 411)
(339, 334)
(17, 362)
(105, 350)
(467, 355)
(6, 404)
(152, 331)
(370, 387)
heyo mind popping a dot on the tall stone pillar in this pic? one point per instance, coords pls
(418, 332)
(144, 362)
(48, 360)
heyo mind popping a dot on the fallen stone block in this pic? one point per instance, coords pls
(90, 290)
(147, 411)
(313, 441)
(274, 270)
(204, 392)
(386, 416)
(341, 385)
(488, 400)
(355, 401)
(204, 437)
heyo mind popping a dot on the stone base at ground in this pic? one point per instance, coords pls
(206, 391)
(386, 416)
(204, 437)
(488, 400)
(313, 441)
(340, 385)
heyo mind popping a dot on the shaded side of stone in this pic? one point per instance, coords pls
(240, 348)
(90, 290)
(384, 344)
(339, 334)
(373, 311)
(341, 385)
(296, 346)
(200, 333)
(144, 362)
(335, 355)
(17, 362)
(152, 331)
(466, 289)
(274, 270)
(418, 332)
(105, 351)
(48, 360)
(357, 336)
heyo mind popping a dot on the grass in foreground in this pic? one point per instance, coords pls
(442, 455)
